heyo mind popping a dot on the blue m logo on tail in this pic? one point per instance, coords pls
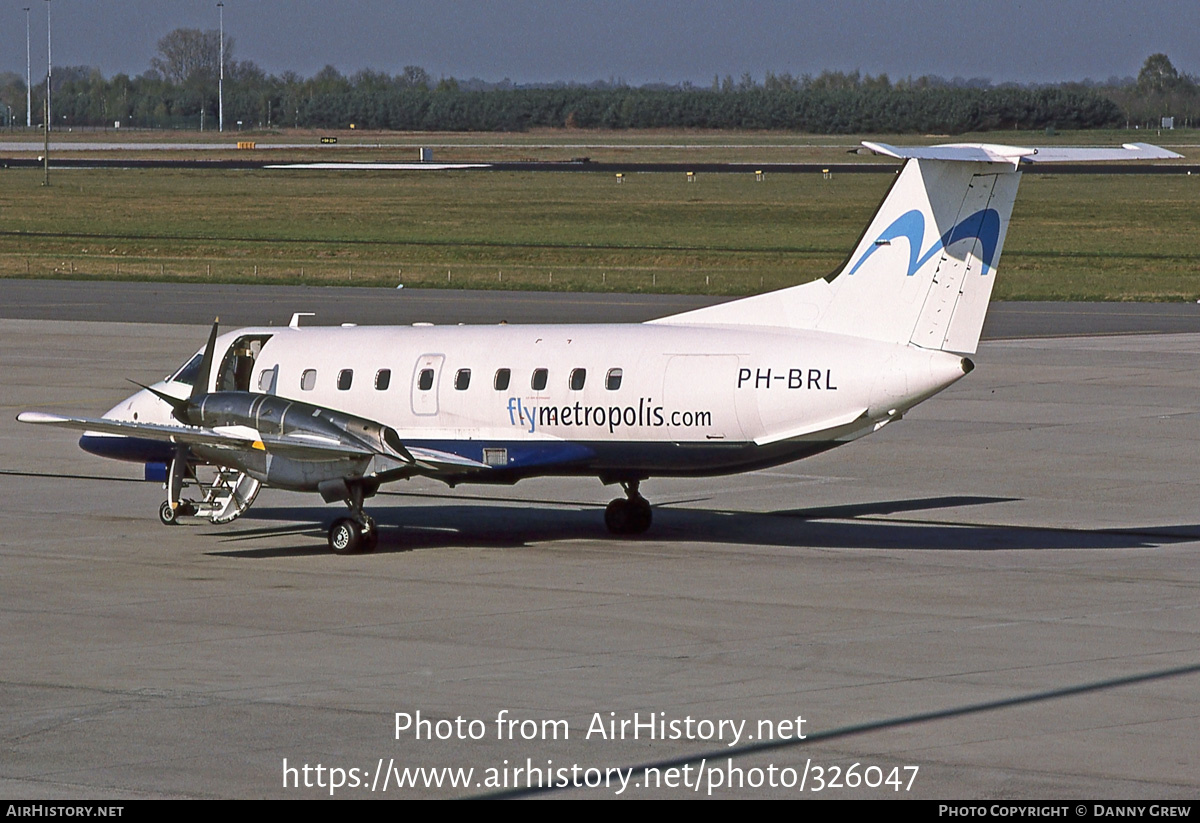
(983, 224)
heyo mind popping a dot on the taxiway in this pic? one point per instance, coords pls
(1032, 529)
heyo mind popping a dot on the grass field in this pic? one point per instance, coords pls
(1072, 237)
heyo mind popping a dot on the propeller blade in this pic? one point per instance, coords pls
(178, 405)
(200, 387)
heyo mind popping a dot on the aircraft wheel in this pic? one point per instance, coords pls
(617, 515)
(167, 515)
(370, 539)
(623, 516)
(640, 516)
(345, 536)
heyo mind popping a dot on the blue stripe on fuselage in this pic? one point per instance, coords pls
(657, 458)
(545, 457)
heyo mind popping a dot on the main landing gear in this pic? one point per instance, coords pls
(349, 536)
(357, 533)
(630, 514)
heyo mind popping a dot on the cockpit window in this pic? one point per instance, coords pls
(187, 374)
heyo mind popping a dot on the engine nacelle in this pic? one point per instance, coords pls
(270, 416)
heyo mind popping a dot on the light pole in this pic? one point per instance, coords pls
(49, 66)
(28, 77)
(221, 74)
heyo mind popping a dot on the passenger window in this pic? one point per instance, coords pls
(612, 381)
(383, 379)
(345, 378)
(539, 379)
(462, 379)
(578, 377)
(265, 378)
(425, 380)
(308, 380)
(502, 376)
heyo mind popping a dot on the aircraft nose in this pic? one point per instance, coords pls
(141, 407)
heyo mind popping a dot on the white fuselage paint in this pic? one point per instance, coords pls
(776, 392)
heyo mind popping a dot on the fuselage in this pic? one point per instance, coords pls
(615, 401)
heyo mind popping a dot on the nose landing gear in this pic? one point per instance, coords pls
(630, 514)
(227, 495)
(169, 515)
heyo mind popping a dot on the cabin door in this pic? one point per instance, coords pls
(426, 376)
(698, 403)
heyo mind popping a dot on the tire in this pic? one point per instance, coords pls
(623, 516)
(345, 536)
(640, 516)
(167, 515)
(616, 516)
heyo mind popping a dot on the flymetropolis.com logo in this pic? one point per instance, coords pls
(644, 414)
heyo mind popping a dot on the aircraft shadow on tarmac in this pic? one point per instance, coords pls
(515, 524)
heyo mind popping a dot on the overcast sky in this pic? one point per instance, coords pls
(668, 40)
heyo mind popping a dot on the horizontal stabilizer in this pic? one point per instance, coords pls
(1015, 155)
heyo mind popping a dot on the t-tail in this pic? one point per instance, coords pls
(922, 273)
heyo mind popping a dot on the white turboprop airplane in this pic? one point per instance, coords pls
(730, 388)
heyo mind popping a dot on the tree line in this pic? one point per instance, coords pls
(181, 87)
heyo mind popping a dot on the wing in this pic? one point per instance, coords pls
(295, 445)
(300, 446)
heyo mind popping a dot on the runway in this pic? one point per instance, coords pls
(1031, 530)
(285, 165)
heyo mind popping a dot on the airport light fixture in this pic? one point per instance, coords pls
(28, 77)
(49, 66)
(221, 72)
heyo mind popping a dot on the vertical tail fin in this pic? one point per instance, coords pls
(923, 271)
